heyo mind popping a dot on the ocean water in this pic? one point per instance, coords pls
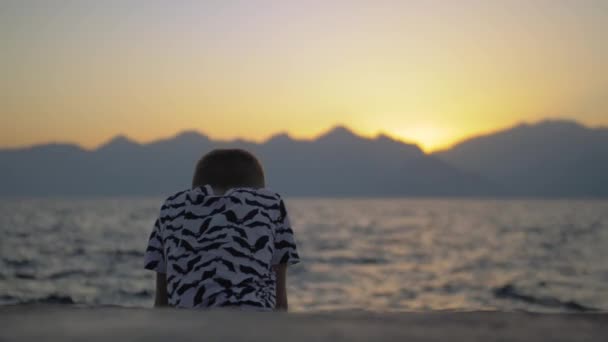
(357, 254)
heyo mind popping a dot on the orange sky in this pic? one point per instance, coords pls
(430, 72)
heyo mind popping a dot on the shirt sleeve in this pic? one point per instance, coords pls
(154, 257)
(285, 250)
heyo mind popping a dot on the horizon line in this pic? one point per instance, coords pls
(314, 137)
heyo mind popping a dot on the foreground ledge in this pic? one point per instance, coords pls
(55, 323)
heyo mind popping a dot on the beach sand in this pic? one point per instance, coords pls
(54, 323)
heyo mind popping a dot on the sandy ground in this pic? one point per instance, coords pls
(54, 323)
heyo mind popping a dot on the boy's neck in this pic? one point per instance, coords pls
(218, 190)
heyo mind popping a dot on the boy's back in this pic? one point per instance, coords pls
(219, 250)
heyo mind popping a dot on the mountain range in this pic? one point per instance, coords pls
(550, 158)
(547, 159)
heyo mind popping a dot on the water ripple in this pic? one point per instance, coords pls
(370, 254)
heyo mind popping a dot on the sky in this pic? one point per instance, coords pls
(429, 72)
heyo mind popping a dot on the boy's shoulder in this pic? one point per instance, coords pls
(176, 197)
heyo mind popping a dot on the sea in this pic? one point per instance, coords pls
(380, 255)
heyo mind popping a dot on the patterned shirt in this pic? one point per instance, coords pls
(218, 250)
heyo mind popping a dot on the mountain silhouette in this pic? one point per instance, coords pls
(342, 163)
(550, 158)
(118, 144)
(337, 163)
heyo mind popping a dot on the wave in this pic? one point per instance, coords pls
(17, 263)
(25, 276)
(53, 276)
(8, 299)
(50, 299)
(140, 294)
(127, 253)
(509, 291)
(69, 273)
(344, 260)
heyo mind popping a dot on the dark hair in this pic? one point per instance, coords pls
(229, 168)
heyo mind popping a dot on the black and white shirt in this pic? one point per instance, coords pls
(218, 250)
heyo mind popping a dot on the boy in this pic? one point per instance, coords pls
(226, 242)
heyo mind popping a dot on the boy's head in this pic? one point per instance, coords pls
(229, 168)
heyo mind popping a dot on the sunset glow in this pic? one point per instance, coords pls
(430, 72)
